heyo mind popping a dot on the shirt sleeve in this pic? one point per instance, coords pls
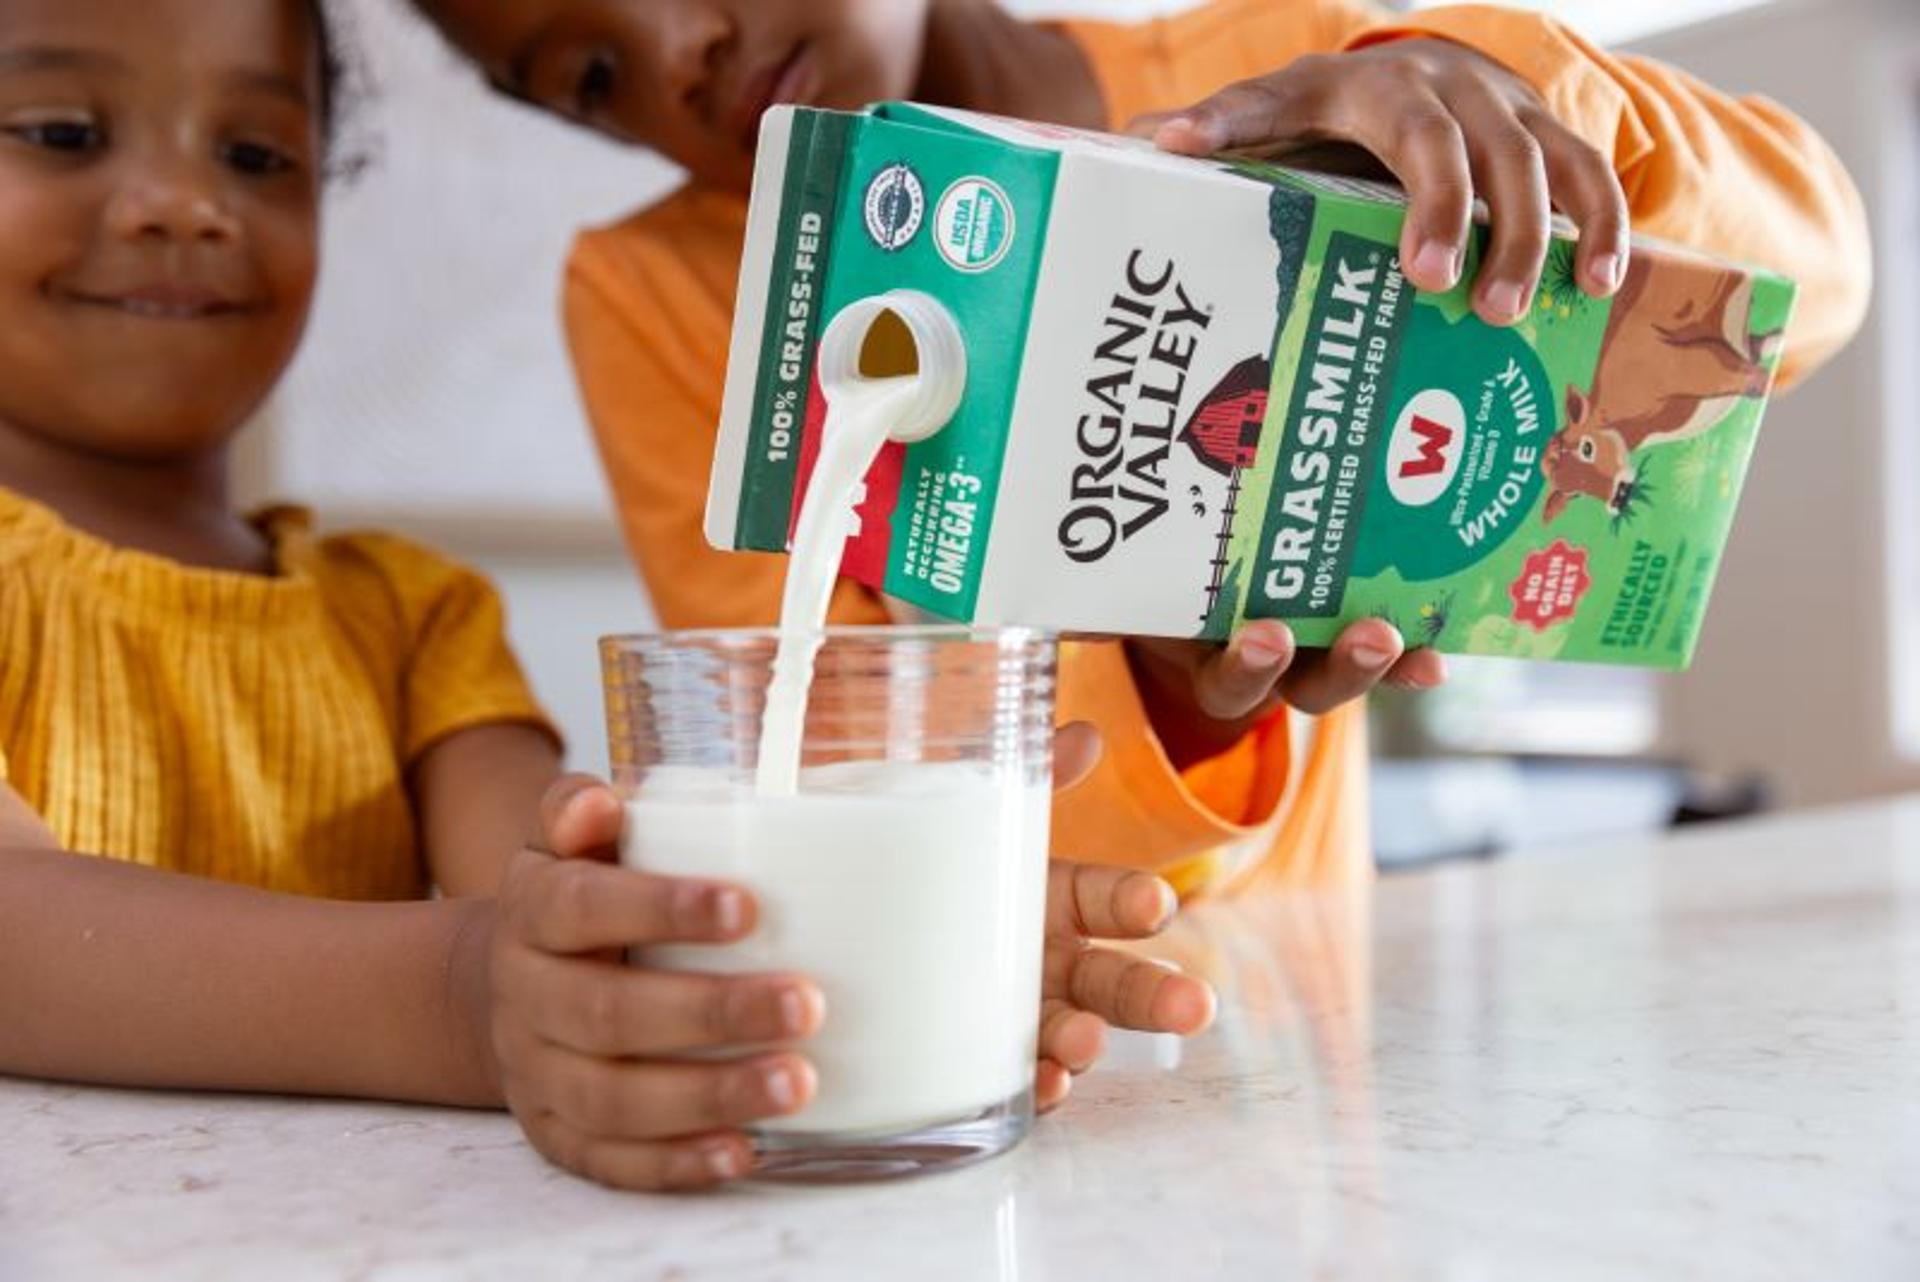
(458, 670)
(1739, 177)
(648, 330)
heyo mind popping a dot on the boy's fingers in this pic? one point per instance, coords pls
(660, 1099)
(1130, 992)
(1069, 1036)
(580, 818)
(613, 1011)
(1095, 901)
(1265, 112)
(1509, 170)
(576, 906)
(1588, 191)
(690, 1162)
(1234, 683)
(1419, 670)
(1359, 659)
(1411, 131)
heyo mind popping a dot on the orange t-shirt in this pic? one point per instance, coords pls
(649, 311)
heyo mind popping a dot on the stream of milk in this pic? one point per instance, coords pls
(913, 894)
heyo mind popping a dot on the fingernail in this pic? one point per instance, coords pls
(1437, 260)
(1168, 905)
(782, 1090)
(1505, 299)
(1260, 654)
(1372, 658)
(1606, 271)
(722, 1161)
(729, 910)
(793, 1012)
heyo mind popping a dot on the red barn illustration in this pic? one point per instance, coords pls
(1224, 432)
(1224, 435)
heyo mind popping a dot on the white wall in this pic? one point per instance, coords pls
(1815, 617)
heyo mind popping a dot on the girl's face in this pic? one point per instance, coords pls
(159, 189)
(690, 78)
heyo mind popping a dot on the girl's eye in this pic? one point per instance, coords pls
(71, 137)
(255, 160)
(597, 80)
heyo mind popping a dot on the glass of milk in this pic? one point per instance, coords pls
(906, 874)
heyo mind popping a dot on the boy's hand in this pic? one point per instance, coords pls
(591, 1054)
(1202, 698)
(1448, 122)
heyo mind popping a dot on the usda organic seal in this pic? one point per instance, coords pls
(896, 206)
(973, 228)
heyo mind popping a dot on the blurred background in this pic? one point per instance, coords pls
(434, 396)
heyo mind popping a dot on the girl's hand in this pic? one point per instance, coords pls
(1085, 988)
(590, 1053)
(1448, 122)
(1202, 698)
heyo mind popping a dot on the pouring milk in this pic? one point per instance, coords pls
(914, 894)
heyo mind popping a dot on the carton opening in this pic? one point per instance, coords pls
(888, 350)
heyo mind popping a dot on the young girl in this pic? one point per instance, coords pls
(275, 741)
(1198, 780)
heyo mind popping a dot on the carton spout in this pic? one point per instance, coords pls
(898, 337)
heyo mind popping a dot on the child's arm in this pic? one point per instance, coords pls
(475, 793)
(124, 975)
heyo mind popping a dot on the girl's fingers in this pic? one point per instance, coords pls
(1587, 190)
(1069, 1036)
(1052, 1083)
(690, 1162)
(576, 906)
(1359, 659)
(1095, 901)
(580, 818)
(661, 1099)
(1076, 751)
(1128, 992)
(1510, 172)
(610, 1010)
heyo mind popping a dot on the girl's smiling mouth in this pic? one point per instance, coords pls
(164, 300)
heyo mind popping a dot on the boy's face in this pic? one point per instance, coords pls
(690, 78)
(159, 185)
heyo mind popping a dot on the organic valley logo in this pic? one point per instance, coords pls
(1148, 340)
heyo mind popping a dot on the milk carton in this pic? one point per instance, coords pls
(1202, 391)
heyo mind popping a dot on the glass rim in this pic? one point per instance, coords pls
(959, 633)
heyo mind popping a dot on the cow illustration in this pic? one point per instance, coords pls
(1677, 358)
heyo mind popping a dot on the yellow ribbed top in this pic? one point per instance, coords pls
(251, 728)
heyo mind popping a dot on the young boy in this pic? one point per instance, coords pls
(1201, 778)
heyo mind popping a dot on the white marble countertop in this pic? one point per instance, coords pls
(1697, 1058)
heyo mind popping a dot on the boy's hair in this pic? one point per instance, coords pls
(342, 77)
(332, 69)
